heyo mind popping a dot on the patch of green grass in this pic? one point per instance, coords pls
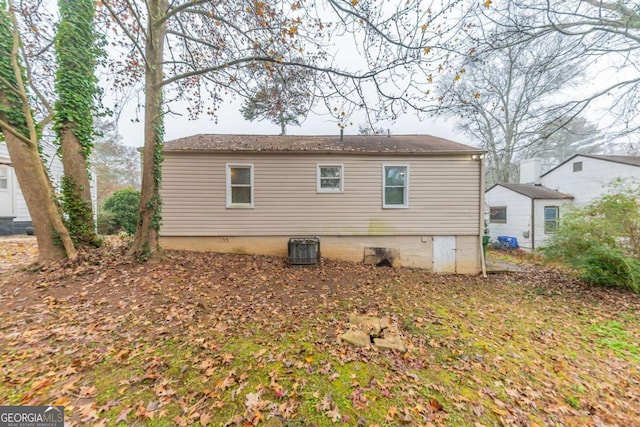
(573, 401)
(612, 335)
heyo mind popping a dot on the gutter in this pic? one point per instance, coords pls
(533, 224)
(483, 261)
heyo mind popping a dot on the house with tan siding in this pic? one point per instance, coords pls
(418, 198)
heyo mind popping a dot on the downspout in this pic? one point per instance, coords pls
(533, 225)
(483, 263)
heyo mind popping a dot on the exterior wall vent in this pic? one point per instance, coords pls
(304, 250)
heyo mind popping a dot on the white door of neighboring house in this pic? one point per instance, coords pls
(444, 254)
(6, 192)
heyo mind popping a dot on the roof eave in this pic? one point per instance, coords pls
(563, 196)
(588, 156)
(348, 152)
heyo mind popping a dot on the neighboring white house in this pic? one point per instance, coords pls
(589, 176)
(14, 215)
(530, 211)
(527, 212)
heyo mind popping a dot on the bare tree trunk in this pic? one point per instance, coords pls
(145, 243)
(38, 193)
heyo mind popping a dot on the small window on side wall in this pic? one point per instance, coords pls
(4, 177)
(239, 186)
(577, 166)
(551, 216)
(330, 179)
(498, 214)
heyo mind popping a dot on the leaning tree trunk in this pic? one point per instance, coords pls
(39, 196)
(145, 243)
(19, 131)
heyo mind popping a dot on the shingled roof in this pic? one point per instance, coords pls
(375, 144)
(625, 160)
(535, 191)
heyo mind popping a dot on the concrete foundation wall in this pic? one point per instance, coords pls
(9, 226)
(413, 251)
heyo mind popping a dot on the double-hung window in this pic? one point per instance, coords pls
(4, 177)
(239, 186)
(395, 183)
(551, 217)
(330, 179)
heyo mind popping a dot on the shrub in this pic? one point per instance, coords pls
(601, 241)
(120, 210)
(609, 266)
(107, 223)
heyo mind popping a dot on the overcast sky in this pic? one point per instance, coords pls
(347, 53)
(230, 121)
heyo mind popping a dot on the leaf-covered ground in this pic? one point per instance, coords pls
(212, 339)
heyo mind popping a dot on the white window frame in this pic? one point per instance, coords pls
(556, 220)
(230, 204)
(7, 178)
(319, 188)
(405, 203)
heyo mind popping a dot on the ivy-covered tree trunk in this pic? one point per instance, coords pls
(76, 86)
(20, 134)
(39, 196)
(145, 243)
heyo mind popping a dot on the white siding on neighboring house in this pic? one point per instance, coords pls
(583, 177)
(540, 236)
(523, 224)
(14, 198)
(7, 190)
(592, 180)
(8, 196)
(518, 215)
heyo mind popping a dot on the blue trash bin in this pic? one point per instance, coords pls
(509, 241)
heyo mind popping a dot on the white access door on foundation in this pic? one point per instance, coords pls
(444, 254)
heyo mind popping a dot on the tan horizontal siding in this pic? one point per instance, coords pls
(444, 197)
